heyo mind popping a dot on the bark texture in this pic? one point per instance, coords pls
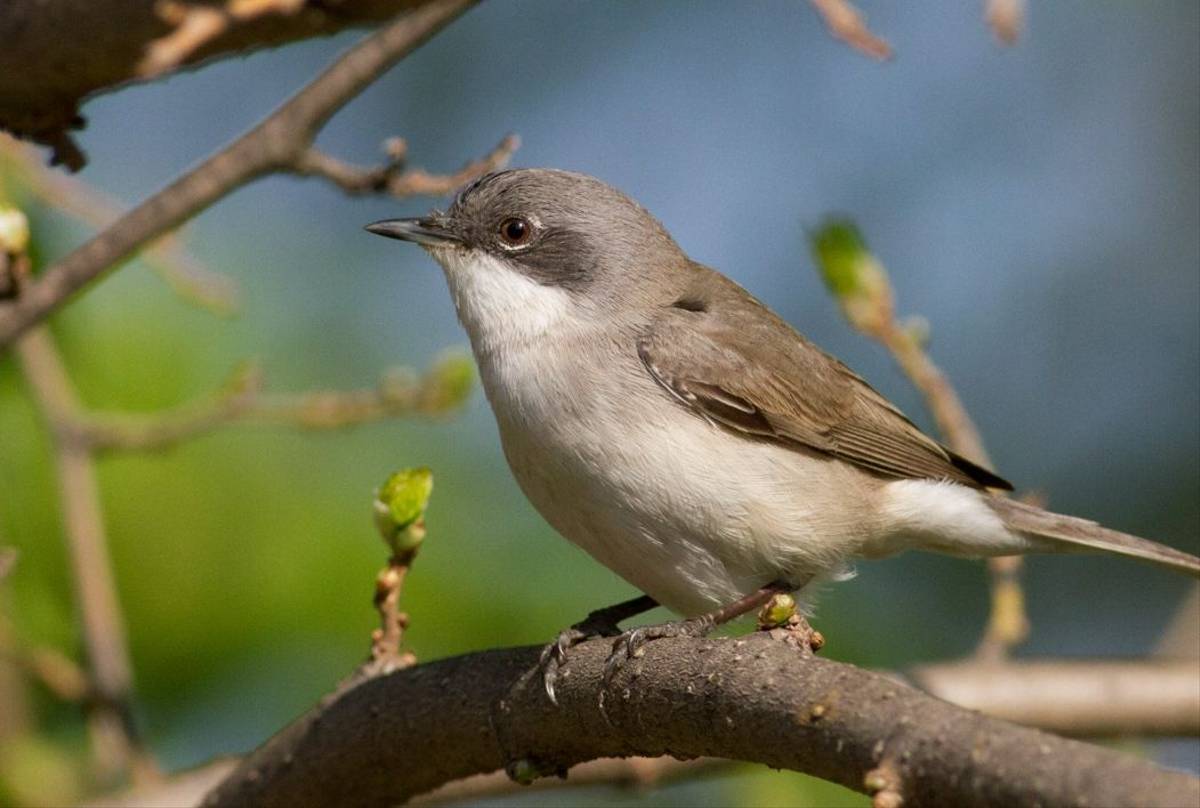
(384, 740)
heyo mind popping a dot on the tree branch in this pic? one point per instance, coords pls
(1081, 698)
(115, 741)
(54, 54)
(190, 279)
(242, 401)
(275, 144)
(390, 738)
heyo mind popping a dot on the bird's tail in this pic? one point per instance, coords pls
(1056, 533)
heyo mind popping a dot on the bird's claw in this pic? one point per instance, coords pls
(554, 655)
(631, 644)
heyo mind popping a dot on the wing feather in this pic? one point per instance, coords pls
(794, 393)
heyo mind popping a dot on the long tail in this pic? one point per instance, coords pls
(1066, 534)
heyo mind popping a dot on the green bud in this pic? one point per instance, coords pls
(14, 231)
(852, 273)
(400, 505)
(779, 610)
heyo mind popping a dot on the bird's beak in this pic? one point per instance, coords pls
(426, 231)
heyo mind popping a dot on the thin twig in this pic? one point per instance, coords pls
(116, 745)
(273, 145)
(242, 401)
(53, 669)
(166, 256)
(392, 177)
(864, 293)
(848, 24)
(386, 640)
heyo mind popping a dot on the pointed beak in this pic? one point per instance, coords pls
(426, 231)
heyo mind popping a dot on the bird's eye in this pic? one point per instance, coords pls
(515, 231)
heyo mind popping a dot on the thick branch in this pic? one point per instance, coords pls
(273, 145)
(56, 53)
(387, 739)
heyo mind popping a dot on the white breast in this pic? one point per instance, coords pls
(685, 511)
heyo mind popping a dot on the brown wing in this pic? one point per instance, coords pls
(750, 372)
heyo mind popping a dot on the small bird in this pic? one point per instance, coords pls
(660, 417)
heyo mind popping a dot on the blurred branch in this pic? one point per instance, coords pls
(386, 739)
(197, 25)
(188, 277)
(116, 746)
(1006, 18)
(848, 24)
(392, 178)
(443, 387)
(276, 144)
(1181, 640)
(55, 671)
(863, 291)
(1093, 698)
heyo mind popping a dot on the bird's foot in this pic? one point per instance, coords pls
(631, 644)
(600, 623)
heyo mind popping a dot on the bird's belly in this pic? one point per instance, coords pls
(687, 512)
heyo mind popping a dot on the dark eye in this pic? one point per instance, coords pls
(515, 231)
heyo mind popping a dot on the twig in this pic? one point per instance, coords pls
(864, 293)
(273, 145)
(847, 24)
(386, 640)
(198, 25)
(54, 670)
(115, 741)
(166, 256)
(392, 737)
(398, 510)
(1006, 19)
(241, 401)
(392, 177)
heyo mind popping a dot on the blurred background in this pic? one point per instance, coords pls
(1038, 204)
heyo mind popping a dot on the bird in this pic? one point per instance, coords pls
(663, 419)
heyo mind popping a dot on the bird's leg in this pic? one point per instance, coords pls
(628, 645)
(600, 623)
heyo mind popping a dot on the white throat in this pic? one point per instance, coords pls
(502, 309)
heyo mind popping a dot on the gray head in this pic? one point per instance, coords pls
(556, 228)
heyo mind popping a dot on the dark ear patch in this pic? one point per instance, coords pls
(558, 257)
(690, 304)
